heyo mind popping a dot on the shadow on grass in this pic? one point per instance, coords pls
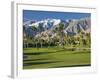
(71, 66)
(37, 63)
(82, 52)
(39, 53)
(34, 59)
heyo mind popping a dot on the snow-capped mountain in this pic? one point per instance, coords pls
(71, 27)
(47, 23)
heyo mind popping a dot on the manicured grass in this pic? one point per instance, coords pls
(54, 57)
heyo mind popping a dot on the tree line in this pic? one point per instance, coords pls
(57, 38)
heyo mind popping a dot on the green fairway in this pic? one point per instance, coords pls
(54, 57)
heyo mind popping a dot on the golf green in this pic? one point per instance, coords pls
(54, 57)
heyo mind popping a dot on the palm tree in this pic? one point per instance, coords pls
(88, 39)
(41, 39)
(83, 38)
(38, 36)
(61, 33)
(24, 40)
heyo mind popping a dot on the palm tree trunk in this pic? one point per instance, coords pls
(41, 44)
(36, 44)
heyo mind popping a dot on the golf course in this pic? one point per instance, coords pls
(56, 39)
(55, 57)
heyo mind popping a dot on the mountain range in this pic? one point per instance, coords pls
(71, 27)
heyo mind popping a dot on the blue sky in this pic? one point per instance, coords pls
(40, 15)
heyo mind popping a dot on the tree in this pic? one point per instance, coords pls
(61, 33)
(25, 41)
(88, 39)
